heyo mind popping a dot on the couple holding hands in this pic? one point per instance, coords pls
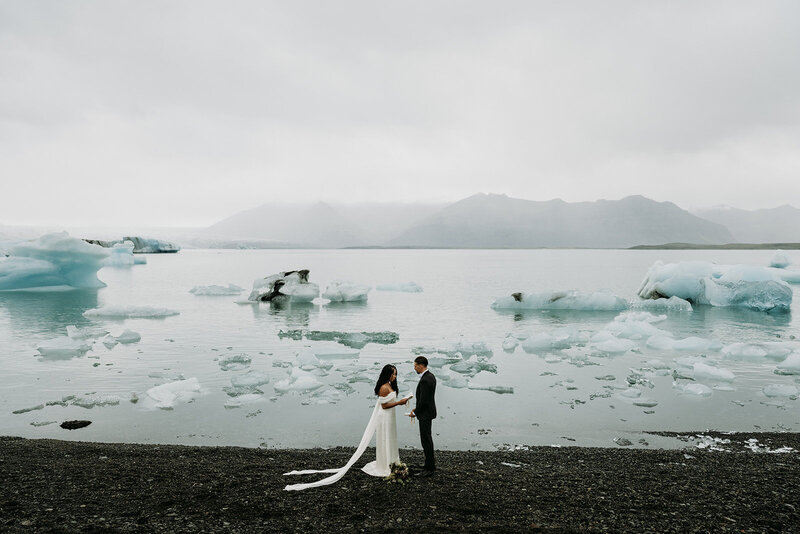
(383, 425)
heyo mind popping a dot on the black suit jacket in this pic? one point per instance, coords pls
(426, 402)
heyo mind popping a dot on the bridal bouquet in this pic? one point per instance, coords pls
(399, 473)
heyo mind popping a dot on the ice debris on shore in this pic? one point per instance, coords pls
(402, 287)
(167, 396)
(288, 286)
(52, 262)
(216, 290)
(712, 284)
(130, 312)
(345, 291)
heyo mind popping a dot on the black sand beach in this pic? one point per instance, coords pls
(60, 486)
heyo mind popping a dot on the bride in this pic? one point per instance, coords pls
(382, 424)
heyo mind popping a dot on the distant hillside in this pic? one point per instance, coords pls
(497, 221)
(781, 224)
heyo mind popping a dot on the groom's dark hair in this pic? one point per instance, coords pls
(422, 360)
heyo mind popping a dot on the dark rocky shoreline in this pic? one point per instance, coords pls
(60, 486)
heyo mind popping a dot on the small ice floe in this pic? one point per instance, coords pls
(402, 287)
(754, 446)
(91, 400)
(121, 255)
(693, 389)
(323, 396)
(308, 361)
(501, 390)
(90, 332)
(694, 344)
(713, 284)
(128, 336)
(299, 381)
(630, 393)
(453, 381)
(356, 340)
(42, 423)
(216, 290)
(602, 300)
(704, 371)
(558, 339)
(29, 409)
(63, 347)
(614, 346)
(510, 343)
(473, 367)
(234, 362)
(242, 400)
(287, 286)
(250, 379)
(458, 349)
(780, 390)
(645, 402)
(789, 366)
(780, 260)
(344, 291)
(623, 442)
(130, 312)
(167, 376)
(167, 396)
(672, 304)
(636, 325)
(334, 353)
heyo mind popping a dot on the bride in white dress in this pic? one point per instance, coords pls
(382, 424)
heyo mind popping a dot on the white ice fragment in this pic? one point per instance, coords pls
(334, 352)
(128, 336)
(630, 393)
(216, 290)
(90, 401)
(54, 261)
(602, 300)
(645, 402)
(85, 333)
(292, 286)
(63, 347)
(718, 285)
(251, 378)
(248, 398)
(559, 339)
(299, 381)
(501, 390)
(779, 390)
(780, 260)
(744, 351)
(121, 255)
(130, 312)
(671, 304)
(110, 341)
(707, 372)
(789, 366)
(698, 390)
(344, 291)
(404, 287)
(234, 362)
(167, 396)
(615, 346)
(510, 343)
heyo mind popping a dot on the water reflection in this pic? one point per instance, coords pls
(293, 314)
(34, 312)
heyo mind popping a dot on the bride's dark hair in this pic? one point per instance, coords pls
(386, 374)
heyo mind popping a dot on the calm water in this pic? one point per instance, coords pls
(558, 397)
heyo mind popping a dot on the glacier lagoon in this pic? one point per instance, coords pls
(204, 369)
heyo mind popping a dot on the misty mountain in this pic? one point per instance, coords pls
(497, 221)
(323, 225)
(775, 225)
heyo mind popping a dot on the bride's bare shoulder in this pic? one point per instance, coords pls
(385, 390)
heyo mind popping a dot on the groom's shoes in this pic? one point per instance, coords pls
(425, 473)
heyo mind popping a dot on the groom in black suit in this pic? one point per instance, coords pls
(425, 412)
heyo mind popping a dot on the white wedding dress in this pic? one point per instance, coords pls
(384, 425)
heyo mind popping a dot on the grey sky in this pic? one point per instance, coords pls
(182, 113)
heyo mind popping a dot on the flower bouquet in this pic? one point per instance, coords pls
(398, 473)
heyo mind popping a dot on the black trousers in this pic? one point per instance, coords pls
(427, 443)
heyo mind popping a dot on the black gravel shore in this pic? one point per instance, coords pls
(60, 486)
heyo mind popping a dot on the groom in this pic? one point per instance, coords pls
(425, 412)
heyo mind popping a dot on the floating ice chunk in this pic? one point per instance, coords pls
(703, 371)
(121, 255)
(790, 276)
(510, 343)
(324, 396)
(661, 304)
(630, 393)
(85, 333)
(110, 342)
(698, 390)
(602, 300)
(615, 346)
(241, 400)
(471, 367)
(789, 366)
(636, 325)
(696, 344)
(130, 312)
(63, 347)
(780, 260)
(90, 401)
(167, 396)
(344, 291)
(169, 376)
(438, 361)
(745, 351)
(717, 285)
(461, 348)
(308, 361)
(404, 287)
(356, 340)
(299, 381)
(292, 286)
(216, 291)
(454, 381)
(644, 402)
(501, 390)
(338, 353)
(559, 339)
(54, 261)
(234, 362)
(779, 390)
(251, 378)
(128, 336)
(30, 409)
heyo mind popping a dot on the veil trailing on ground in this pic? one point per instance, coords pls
(340, 472)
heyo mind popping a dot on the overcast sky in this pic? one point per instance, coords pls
(182, 113)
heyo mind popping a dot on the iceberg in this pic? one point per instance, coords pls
(711, 284)
(167, 396)
(291, 286)
(140, 245)
(403, 287)
(130, 312)
(216, 291)
(52, 262)
(343, 291)
(780, 260)
(562, 300)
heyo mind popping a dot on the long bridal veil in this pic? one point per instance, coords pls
(339, 473)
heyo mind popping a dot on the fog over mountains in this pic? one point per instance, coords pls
(481, 221)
